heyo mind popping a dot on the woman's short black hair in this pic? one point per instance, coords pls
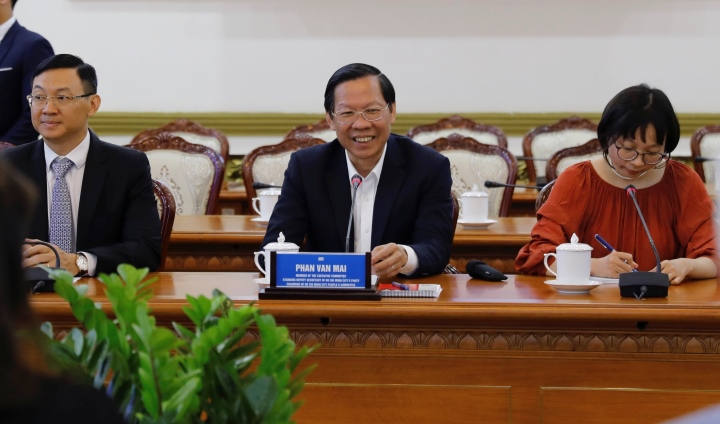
(352, 72)
(632, 111)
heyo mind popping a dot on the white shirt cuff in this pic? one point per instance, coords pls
(92, 263)
(412, 262)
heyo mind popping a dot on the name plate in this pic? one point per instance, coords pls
(312, 270)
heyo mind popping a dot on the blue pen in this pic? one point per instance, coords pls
(608, 247)
(401, 286)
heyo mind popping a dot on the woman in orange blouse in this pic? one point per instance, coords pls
(638, 131)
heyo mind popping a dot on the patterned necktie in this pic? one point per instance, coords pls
(61, 222)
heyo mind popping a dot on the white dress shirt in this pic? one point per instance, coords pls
(74, 178)
(5, 27)
(363, 213)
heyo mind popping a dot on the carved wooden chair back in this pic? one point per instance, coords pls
(166, 209)
(705, 148)
(564, 158)
(456, 124)
(194, 133)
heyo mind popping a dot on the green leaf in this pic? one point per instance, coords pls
(261, 395)
(163, 340)
(47, 329)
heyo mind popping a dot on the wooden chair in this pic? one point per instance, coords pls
(192, 132)
(705, 148)
(543, 195)
(166, 209)
(563, 159)
(449, 269)
(194, 173)
(472, 163)
(267, 164)
(320, 129)
(456, 124)
(543, 142)
(5, 145)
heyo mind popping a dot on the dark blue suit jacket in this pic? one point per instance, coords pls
(413, 204)
(21, 51)
(117, 218)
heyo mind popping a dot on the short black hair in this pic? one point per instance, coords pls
(13, 3)
(85, 71)
(352, 72)
(632, 111)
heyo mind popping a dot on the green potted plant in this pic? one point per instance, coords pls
(157, 375)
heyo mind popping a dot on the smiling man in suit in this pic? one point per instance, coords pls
(96, 199)
(403, 210)
(20, 53)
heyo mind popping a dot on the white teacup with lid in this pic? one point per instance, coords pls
(474, 206)
(265, 202)
(279, 246)
(573, 262)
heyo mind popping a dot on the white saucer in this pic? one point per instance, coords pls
(261, 281)
(605, 280)
(573, 288)
(471, 225)
(260, 221)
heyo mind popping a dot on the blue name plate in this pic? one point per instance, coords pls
(312, 270)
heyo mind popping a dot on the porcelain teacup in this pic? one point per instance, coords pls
(279, 246)
(573, 262)
(474, 206)
(265, 202)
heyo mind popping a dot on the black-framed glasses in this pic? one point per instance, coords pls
(650, 158)
(370, 114)
(38, 101)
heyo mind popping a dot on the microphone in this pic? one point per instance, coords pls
(356, 180)
(483, 271)
(644, 284)
(38, 279)
(258, 185)
(493, 184)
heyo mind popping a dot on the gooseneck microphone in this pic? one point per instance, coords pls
(356, 180)
(644, 284)
(493, 184)
(37, 278)
(258, 185)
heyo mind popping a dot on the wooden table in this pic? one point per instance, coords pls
(515, 351)
(227, 243)
(523, 202)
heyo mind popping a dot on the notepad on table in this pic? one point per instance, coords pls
(413, 290)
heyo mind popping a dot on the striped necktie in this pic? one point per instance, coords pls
(61, 221)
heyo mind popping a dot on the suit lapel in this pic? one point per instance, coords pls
(391, 180)
(93, 181)
(7, 41)
(37, 172)
(336, 179)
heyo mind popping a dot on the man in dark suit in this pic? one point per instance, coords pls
(96, 199)
(403, 210)
(20, 53)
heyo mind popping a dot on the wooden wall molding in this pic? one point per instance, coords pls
(270, 124)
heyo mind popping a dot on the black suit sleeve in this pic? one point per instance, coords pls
(433, 231)
(139, 223)
(22, 131)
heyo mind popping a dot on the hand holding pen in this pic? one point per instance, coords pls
(612, 249)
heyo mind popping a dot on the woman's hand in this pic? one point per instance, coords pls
(612, 265)
(676, 269)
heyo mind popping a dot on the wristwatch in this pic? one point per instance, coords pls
(82, 264)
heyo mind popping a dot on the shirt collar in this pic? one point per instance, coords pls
(78, 155)
(376, 170)
(5, 27)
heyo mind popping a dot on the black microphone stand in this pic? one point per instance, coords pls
(356, 181)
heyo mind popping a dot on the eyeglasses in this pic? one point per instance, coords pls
(370, 114)
(650, 158)
(39, 102)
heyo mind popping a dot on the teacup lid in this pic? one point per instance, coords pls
(280, 245)
(475, 192)
(269, 192)
(574, 246)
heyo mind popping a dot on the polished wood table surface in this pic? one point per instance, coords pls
(227, 243)
(514, 351)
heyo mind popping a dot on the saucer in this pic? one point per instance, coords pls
(258, 220)
(573, 288)
(472, 225)
(261, 281)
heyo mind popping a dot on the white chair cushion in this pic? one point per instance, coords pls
(270, 169)
(546, 144)
(189, 177)
(327, 135)
(569, 161)
(470, 169)
(710, 148)
(482, 137)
